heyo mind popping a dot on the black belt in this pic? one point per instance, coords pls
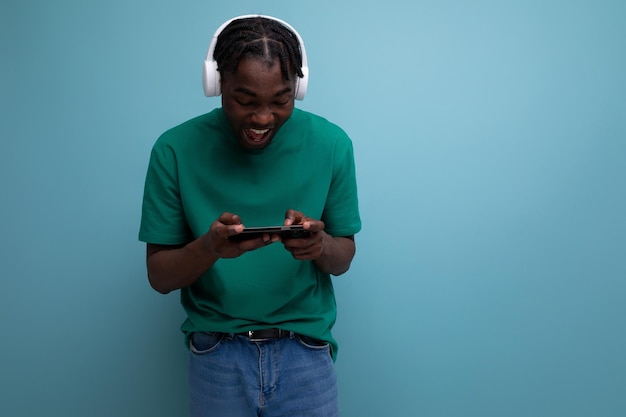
(265, 334)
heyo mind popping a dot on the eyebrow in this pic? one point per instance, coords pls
(253, 94)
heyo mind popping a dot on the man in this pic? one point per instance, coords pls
(260, 310)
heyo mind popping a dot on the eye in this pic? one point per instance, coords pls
(245, 103)
(282, 102)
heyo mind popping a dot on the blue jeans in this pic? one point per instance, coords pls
(231, 376)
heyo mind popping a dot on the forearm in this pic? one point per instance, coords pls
(170, 268)
(336, 254)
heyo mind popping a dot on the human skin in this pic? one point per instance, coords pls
(257, 101)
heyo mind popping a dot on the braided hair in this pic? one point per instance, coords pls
(258, 37)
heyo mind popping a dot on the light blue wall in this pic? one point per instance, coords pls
(491, 146)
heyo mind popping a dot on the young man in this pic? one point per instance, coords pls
(260, 310)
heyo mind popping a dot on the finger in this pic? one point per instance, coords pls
(305, 248)
(252, 244)
(313, 225)
(229, 218)
(235, 229)
(290, 217)
(226, 225)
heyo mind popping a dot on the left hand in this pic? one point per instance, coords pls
(307, 248)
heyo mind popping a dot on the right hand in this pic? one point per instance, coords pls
(217, 243)
(171, 267)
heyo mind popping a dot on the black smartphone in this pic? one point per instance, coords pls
(286, 232)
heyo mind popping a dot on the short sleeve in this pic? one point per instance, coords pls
(162, 217)
(341, 214)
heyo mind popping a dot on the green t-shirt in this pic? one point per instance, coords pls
(198, 170)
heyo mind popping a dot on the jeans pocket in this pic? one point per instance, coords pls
(202, 343)
(311, 343)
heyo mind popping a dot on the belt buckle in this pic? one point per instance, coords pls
(256, 339)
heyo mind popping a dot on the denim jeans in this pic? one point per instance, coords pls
(231, 376)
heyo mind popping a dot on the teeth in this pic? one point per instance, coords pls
(259, 131)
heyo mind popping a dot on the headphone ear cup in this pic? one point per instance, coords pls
(302, 84)
(211, 79)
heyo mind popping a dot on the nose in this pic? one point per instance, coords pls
(263, 116)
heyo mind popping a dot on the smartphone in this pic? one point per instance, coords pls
(286, 232)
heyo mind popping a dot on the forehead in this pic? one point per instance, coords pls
(256, 74)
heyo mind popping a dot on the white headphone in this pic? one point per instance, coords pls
(211, 76)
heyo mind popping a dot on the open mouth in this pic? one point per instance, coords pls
(257, 136)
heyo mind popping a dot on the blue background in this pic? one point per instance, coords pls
(490, 139)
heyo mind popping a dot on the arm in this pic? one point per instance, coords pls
(332, 255)
(336, 254)
(171, 267)
(174, 267)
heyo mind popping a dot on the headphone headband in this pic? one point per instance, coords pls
(211, 75)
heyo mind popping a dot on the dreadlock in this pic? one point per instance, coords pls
(258, 37)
